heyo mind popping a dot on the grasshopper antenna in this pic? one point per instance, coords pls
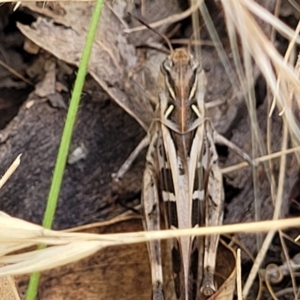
(155, 31)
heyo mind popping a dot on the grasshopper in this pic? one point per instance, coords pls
(182, 181)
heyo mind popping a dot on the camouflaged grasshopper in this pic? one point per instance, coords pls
(182, 182)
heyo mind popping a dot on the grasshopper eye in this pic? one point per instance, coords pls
(195, 66)
(166, 66)
(194, 78)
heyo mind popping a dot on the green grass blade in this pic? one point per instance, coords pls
(66, 139)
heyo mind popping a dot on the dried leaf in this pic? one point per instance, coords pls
(112, 56)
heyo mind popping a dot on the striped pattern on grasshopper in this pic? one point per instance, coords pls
(182, 184)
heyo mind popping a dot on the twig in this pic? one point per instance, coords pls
(10, 170)
(171, 19)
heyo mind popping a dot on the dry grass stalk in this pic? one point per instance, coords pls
(7, 285)
(239, 274)
(10, 170)
(281, 77)
(67, 247)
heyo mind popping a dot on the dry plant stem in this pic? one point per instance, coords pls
(132, 157)
(70, 247)
(10, 170)
(295, 5)
(235, 241)
(172, 19)
(269, 120)
(219, 47)
(245, 76)
(128, 215)
(278, 205)
(284, 247)
(117, 16)
(14, 72)
(290, 239)
(196, 26)
(257, 141)
(286, 291)
(239, 274)
(36, 234)
(260, 159)
(246, 81)
(8, 287)
(288, 262)
(286, 58)
(271, 103)
(265, 15)
(17, 5)
(263, 51)
(66, 139)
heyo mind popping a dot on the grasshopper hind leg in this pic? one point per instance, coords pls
(157, 291)
(132, 157)
(151, 210)
(208, 286)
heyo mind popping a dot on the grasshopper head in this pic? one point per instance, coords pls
(181, 72)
